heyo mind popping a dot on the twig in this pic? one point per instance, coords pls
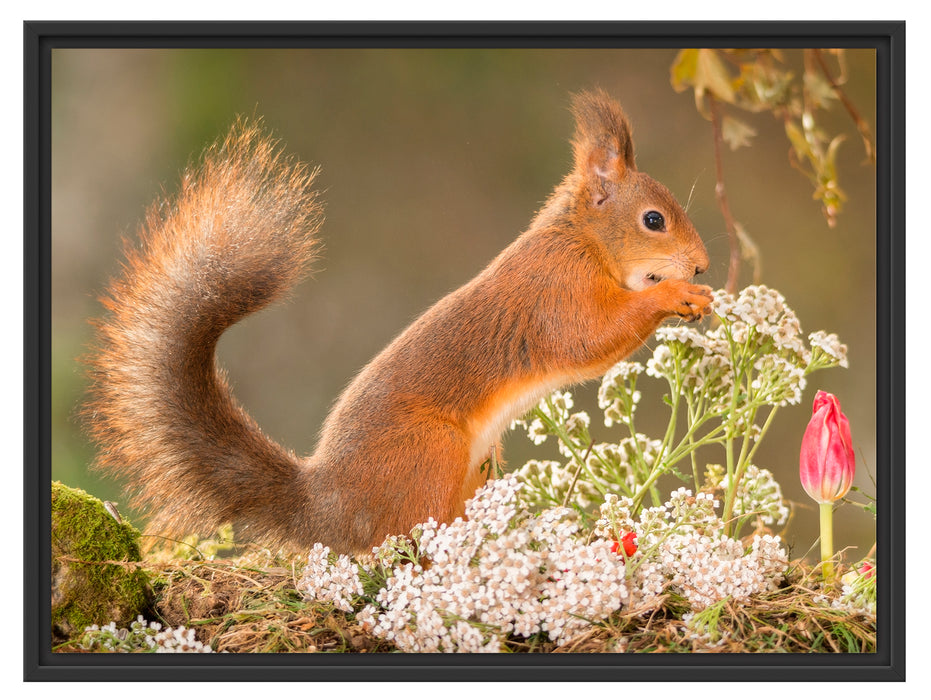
(236, 574)
(575, 478)
(733, 268)
(862, 126)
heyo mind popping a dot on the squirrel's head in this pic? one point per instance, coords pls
(645, 234)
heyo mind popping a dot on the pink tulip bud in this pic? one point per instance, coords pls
(826, 463)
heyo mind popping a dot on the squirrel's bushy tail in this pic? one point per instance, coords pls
(239, 235)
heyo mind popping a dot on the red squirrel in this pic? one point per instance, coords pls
(608, 257)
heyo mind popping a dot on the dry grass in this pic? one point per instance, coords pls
(251, 605)
(241, 609)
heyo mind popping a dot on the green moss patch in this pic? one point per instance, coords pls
(94, 577)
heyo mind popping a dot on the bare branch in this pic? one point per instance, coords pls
(733, 268)
(862, 126)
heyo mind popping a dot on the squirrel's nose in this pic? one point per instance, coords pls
(699, 269)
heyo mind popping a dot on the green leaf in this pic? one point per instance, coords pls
(831, 156)
(736, 133)
(797, 139)
(704, 70)
(682, 71)
(750, 252)
(819, 90)
(711, 75)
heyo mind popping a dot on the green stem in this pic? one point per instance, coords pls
(671, 428)
(678, 453)
(729, 436)
(742, 467)
(692, 448)
(563, 436)
(640, 460)
(827, 541)
(739, 470)
(688, 443)
(575, 478)
(766, 424)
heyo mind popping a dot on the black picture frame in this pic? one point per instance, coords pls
(887, 38)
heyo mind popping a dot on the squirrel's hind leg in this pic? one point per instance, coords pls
(423, 474)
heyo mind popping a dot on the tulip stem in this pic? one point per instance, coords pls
(827, 541)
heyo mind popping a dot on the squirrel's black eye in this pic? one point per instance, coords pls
(654, 221)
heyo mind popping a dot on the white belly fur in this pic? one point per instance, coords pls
(488, 430)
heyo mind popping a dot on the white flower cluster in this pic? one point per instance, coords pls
(555, 407)
(501, 572)
(700, 362)
(759, 494)
(617, 396)
(758, 333)
(468, 585)
(759, 327)
(337, 583)
(858, 592)
(178, 640)
(707, 569)
(143, 636)
(759, 309)
(608, 466)
(759, 316)
(828, 344)
(547, 482)
(681, 545)
(778, 381)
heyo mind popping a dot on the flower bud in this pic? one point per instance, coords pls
(826, 463)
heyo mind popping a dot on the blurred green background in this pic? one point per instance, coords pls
(432, 162)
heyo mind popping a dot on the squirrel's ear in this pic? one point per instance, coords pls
(602, 145)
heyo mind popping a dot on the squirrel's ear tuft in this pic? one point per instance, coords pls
(602, 144)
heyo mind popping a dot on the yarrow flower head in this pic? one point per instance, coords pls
(333, 579)
(830, 347)
(179, 640)
(503, 571)
(142, 636)
(681, 545)
(858, 592)
(728, 380)
(759, 316)
(617, 395)
(553, 410)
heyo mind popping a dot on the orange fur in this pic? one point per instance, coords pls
(584, 286)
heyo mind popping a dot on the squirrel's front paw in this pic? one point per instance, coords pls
(690, 301)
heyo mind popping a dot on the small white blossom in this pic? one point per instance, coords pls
(179, 640)
(858, 592)
(830, 346)
(144, 637)
(503, 571)
(337, 583)
(759, 494)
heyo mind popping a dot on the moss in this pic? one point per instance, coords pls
(93, 578)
